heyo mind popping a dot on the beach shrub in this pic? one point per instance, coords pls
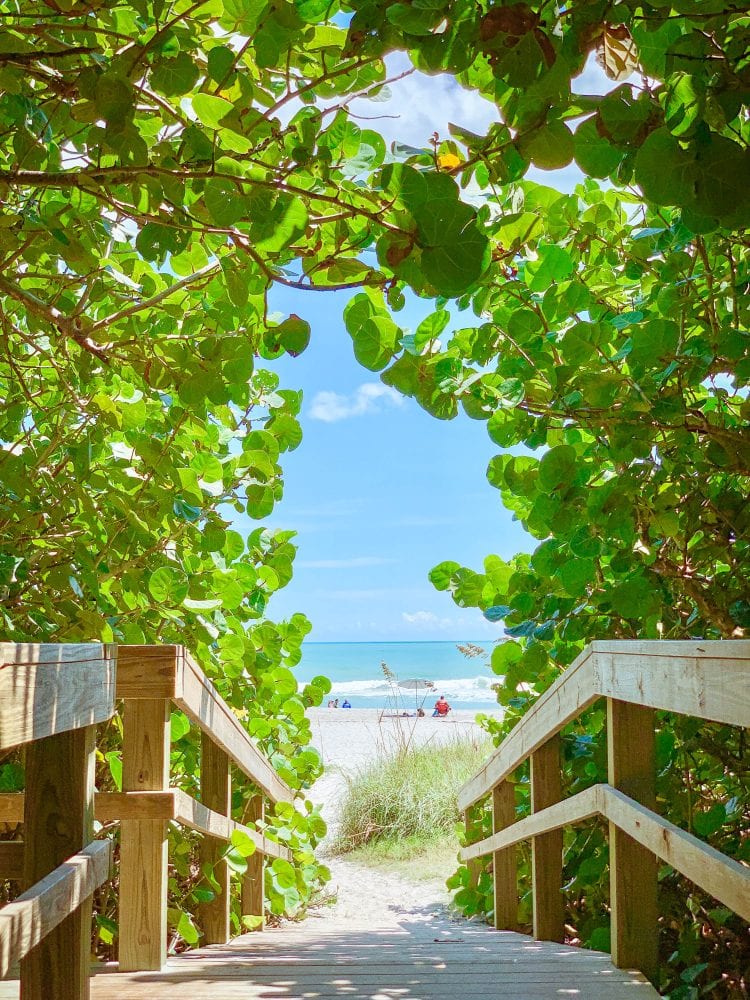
(408, 796)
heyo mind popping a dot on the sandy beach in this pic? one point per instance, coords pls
(348, 739)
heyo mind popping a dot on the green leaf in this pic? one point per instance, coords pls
(114, 98)
(211, 109)
(664, 170)
(707, 823)
(557, 468)
(375, 342)
(173, 77)
(293, 335)
(594, 154)
(187, 929)
(553, 264)
(283, 874)
(168, 585)
(243, 843)
(549, 147)
(224, 201)
(179, 726)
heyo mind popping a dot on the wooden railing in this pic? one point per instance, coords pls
(149, 681)
(708, 680)
(51, 698)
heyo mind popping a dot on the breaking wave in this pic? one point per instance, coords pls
(456, 690)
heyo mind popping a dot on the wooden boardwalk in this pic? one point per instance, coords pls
(412, 962)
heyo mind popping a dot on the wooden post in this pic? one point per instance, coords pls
(504, 865)
(546, 849)
(475, 864)
(253, 899)
(633, 870)
(143, 843)
(216, 794)
(58, 822)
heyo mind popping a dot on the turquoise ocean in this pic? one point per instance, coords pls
(354, 669)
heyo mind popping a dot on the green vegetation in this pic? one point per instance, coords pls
(164, 164)
(402, 807)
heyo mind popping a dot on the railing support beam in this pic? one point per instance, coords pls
(216, 794)
(253, 899)
(546, 849)
(58, 823)
(633, 869)
(143, 843)
(504, 862)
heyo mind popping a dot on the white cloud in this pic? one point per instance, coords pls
(426, 619)
(420, 105)
(353, 563)
(368, 398)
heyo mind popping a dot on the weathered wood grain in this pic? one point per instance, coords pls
(504, 861)
(707, 679)
(11, 860)
(53, 688)
(26, 921)
(546, 848)
(201, 702)
(252, 894)
(632, 868)
(58, 824)
(215, 795)
(143, 842)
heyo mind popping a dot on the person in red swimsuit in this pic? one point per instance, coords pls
(441, 708)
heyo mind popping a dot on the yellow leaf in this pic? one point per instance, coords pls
(447, 161)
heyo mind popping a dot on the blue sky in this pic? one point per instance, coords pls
(379, 491)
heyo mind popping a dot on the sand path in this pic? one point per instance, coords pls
(368, 897)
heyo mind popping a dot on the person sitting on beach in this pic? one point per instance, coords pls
(441, 708)
(336, 703)
(346, 703)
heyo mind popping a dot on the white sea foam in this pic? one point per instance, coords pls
(458, 689)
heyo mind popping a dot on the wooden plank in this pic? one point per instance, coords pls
(149, 671)
(201, 702)
(722, 649)
(59, 823)
(113, 807)
(252, 891)
(712, 683)
(504, 862)
(30, 918)
(216, 795)
(109, 807)
(708, 679)
(575, 809)
(632, 868)
(11, 807)
(11, 860)
(574, 691)
(725, 879)
(213, 824)
(53, 688)
(546, 848)
(143, 843)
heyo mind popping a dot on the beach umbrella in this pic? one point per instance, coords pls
(416, 684)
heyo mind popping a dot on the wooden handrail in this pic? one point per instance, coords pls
(171, 805)
(709, 680)
(31, 917)
(722, 877)
(169, 672)
(51, 697)
(53, 688)
(706, 679)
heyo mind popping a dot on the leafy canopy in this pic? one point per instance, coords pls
(164, 164)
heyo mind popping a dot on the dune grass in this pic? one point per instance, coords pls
(402, 807)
